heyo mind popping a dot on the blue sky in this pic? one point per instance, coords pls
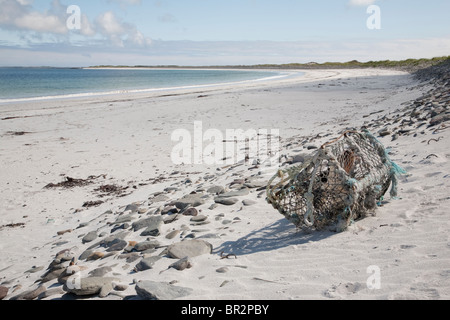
(212, 32)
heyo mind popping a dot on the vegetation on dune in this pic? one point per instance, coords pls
(410, 65)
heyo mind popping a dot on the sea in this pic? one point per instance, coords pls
(25, 84)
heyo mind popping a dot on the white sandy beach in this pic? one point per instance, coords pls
(125, 140)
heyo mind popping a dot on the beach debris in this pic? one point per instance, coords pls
(341, 182)
(70, 182)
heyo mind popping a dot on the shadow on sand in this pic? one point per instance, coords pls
(279, 234)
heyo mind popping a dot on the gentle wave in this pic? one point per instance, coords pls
(115, 92)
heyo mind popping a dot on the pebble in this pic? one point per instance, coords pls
(100, 272)
(216, 190)
(190, 212)
(226, 201)
(3, 292)
(142, 246)
(172, 234)
(193, 200)
(92, 285)
(152, 223)
(199, 218)
(189, 248)
(91, 236)
(116, 245)
(181, 264)
(222, 270)
(151, 290)
(146, 263)
(248, 202)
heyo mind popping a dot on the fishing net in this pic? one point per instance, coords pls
(343, 181)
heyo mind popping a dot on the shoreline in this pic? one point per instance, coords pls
(281, 74)
(125, 141)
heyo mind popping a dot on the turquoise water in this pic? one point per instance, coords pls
(25, 83)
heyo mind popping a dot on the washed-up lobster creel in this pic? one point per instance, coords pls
(341, 182)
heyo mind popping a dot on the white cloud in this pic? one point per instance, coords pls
(109, 25)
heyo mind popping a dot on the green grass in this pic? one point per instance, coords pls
(410, 65)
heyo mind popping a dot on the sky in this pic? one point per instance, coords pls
(70, 33)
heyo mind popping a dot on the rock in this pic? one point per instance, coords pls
(189, 248)
(125, 218)
(213, 206)
(226, 201)
(153, 226)
(153, 222)
(100, 272)
(150, 290)
(169, 210)
(216, 190)
(181, 264)
(85, 254)
(159, 198)
(116, 245)
(193, 200)
(60, 233)
(51, 292)
(51, 275)
(31, 294)
(95, 256)
(439, 119)
(190, 212)
(131, 207)
(172, 234)
(3, 292)
(90, 286)
(199, 218)
(222, 270)
(236, 193)
(91, 236)
(142, 246)
(120, 286)
(146, 263)
(248, 202)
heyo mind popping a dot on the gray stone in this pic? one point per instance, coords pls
(193, 200)
(131, 207)
(116, 245)
(153, 226)
(142, 246)
(236, 193)
(248, 202)
(147, 263)
(125, 218)
(159, 198)
(439, 119)
(189, 248)
(100, 272)
(199, 218)
(222, 270)
(90, 286)
(226, 201)
(172, 234)
(150, 290)
(30, 294)
(91, 236)
(152, 222)
(181, 264)
(216, 190)
(190, 212)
